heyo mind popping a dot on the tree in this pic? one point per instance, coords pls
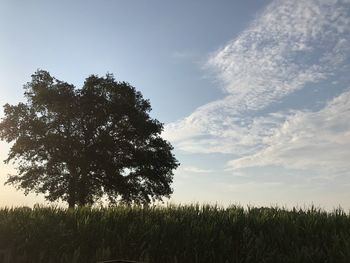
(81, 145)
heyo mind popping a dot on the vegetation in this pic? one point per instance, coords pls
(173, 234)
(82, 145)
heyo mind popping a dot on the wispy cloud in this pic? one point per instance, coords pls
(291, 45)
(317, 141)
(194, 169)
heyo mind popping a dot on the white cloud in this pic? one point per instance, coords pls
(290, 45)
(317, 141)
(194, 169)
(271, 59)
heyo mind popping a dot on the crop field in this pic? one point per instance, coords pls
(174, 234)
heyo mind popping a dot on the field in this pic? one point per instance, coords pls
(174, 234)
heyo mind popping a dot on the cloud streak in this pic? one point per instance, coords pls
(194, 169)
(290, 46)
(317, 141)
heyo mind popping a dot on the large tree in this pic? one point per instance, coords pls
(81, 145)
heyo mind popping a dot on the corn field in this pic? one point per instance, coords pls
(174, 234)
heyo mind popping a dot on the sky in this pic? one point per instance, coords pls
(254, 95)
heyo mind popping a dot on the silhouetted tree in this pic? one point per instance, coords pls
(80, 145)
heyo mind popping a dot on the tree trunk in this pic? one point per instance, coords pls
(71, 195)
(83, 188)
(71, 203)
(72, 187)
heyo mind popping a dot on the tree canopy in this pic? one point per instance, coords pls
(82, 145)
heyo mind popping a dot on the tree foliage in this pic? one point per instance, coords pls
(81, 145)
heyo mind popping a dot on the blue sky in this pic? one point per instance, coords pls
(255, 95)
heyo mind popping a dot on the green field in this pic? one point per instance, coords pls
(174, 234)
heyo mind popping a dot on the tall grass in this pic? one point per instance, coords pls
(174, 234)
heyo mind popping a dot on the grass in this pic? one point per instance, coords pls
(174, 234)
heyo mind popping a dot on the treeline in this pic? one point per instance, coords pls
(174, 234)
